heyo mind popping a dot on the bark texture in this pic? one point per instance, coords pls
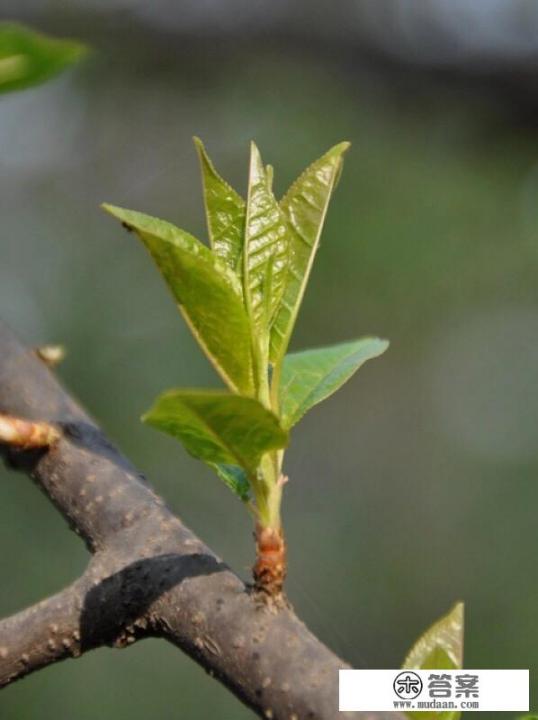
(148, 574)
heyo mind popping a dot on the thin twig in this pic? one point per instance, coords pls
(26, 434)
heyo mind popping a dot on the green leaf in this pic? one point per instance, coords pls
(225, 212)
(235, 478)
(218, 427)
(266, 247)
(440, 648)
(29, 58)
(310, 376)
(207, 291)
(269, 173)
(305, 206)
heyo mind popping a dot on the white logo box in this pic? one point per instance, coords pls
(391, 690)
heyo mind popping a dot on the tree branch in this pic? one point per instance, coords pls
(40, 635)
(148, 575)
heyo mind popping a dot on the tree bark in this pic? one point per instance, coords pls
(148, 575)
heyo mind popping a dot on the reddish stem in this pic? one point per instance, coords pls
(270, 568)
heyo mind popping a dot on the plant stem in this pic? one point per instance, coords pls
(269, 570)
(267, 493)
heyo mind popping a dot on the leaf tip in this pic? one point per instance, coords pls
(384, 345)
(79, 50)
(149, 416)
(255, 152)
(200, 148)
(256, 168)
(336, 152)
(107, 207)
(445, 636)
(458, 611)
(377, 345)
(119, 213)
(269, 173)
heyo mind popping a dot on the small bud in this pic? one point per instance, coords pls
(51, 355)
(26, 434)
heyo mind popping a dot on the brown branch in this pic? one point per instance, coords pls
(40, 635)
(148, 575)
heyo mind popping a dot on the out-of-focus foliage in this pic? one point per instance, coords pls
(440, 648)
(29, 58)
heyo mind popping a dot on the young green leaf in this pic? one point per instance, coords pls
(207, 291)
(28, 58)
(235, 478)
(266, 247)
(269, 173)
(225, 212)
(218, 427)
(310, 376)
(305, 206)
(440, 648)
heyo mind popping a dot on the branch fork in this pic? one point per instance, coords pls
(149, 575)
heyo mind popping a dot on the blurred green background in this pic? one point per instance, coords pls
(414, 487)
